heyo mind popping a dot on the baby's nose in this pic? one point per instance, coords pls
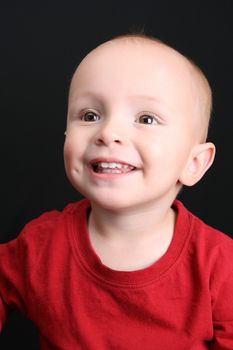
(110, 133)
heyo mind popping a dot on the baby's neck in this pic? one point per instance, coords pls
(130, 241)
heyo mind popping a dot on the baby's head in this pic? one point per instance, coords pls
(137, 123)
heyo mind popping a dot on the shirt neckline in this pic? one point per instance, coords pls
(89, 260)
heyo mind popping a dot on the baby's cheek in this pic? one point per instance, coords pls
(68, 153)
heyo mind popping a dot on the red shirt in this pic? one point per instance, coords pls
(184, 301)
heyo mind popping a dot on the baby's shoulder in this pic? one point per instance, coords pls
(200, 235)
(51, 222)
(212, 247)
(210, 236)
(46, 228)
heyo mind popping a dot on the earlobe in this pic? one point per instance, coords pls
(200, 160)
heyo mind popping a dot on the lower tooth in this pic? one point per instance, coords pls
(115, 171)
(112, 170)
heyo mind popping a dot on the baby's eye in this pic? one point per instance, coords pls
(147, 119)
(90, 117)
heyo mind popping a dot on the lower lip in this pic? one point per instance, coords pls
(110, 176)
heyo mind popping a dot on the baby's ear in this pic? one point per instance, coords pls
(200, 160)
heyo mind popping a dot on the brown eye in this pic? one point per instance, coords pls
(90, 117)
(147, 119)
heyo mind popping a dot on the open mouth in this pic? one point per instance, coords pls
(111, 168)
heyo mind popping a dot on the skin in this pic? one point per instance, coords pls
(136, 102)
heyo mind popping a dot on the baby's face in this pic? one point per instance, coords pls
(132, 124)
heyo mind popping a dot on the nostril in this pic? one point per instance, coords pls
(107, 136)
(101, 141)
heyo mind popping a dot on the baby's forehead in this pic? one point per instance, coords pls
(128, 50)
(138, 61)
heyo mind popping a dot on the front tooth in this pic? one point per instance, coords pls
(110, 165)
(104, 165)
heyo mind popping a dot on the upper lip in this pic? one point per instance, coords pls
(109, 160)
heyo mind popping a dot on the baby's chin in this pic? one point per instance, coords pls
(109, 203)
(118, 203)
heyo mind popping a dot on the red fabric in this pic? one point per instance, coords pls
(182, 302)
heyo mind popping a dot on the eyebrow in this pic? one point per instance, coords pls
(101, 97)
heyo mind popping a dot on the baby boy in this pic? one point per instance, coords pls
(129, 267)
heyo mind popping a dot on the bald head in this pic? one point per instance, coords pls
(188, 74)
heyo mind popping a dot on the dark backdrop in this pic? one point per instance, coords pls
(41, 44)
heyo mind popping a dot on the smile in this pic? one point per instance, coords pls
(111, 167)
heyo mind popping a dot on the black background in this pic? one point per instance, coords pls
(41, 44)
